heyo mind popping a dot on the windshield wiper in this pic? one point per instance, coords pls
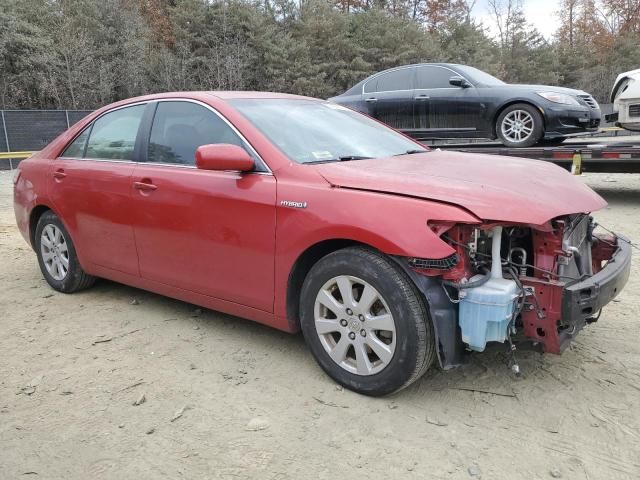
(410, 152)
(346, 158)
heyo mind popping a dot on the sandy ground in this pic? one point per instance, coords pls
(227, 398)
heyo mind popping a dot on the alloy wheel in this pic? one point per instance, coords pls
(517, 126)
(355, 325)
(55, 252)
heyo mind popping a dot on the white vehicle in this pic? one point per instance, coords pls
(625, 96)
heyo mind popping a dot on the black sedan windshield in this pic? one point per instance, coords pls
(478, 76)
(310, 131)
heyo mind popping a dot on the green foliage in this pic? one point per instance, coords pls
(86, 53)
(468, 44)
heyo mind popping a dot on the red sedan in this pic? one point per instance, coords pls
(304, 215)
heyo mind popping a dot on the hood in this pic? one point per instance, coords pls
(504, 189)
(546, 88)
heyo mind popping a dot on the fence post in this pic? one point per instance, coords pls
(4, 127)
(66, 114)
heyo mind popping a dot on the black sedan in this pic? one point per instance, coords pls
(444, 100)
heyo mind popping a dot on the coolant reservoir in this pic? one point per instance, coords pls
(485, 311)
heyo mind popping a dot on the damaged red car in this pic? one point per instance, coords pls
(304, 215)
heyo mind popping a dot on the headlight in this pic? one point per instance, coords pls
(559, 98)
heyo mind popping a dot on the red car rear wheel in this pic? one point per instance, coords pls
(57, 256)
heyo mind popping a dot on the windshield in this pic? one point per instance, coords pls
(311, 131)
(478, 76)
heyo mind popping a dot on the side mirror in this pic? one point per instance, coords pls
(223, 157)
(459, 82)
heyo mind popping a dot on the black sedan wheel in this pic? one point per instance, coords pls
(520, 125)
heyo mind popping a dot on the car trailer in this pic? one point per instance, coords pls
(621, 157)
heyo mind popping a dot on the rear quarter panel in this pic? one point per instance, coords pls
(30, 190)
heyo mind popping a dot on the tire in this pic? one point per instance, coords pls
(532, 126)
(368, 273)
(68, 276)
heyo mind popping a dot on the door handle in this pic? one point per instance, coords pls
(422, 97)
(145, 186)
(371, 100)
(59, 174)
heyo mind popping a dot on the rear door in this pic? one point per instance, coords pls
(209, 232)
(90, 186)
(389, 97)
(441, 109)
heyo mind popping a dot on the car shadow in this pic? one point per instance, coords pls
(486, 373)
(167, 309)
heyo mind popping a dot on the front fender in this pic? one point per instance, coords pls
(393, 224)
(443, 314)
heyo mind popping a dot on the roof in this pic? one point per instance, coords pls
(222, 95)
(230, 95)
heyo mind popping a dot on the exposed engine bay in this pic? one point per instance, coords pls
(522, 285)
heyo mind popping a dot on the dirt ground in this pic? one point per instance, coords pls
(224, 398)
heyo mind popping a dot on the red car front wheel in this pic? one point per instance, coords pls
(365, 322)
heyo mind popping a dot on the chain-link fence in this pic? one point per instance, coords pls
(28, 130)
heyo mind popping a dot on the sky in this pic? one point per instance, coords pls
(543, 14)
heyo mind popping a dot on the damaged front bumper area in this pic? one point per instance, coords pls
(556, 310)
(516, 284)
(583, 300)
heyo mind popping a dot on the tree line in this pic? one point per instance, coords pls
(80, 54)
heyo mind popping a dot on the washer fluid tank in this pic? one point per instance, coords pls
(485, 312)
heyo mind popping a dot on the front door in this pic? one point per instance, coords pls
(208, 232)
(90, 187)
(442, 110)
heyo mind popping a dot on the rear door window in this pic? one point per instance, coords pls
(113, 135)
(179, 128)
(395, 80)
(433, 77)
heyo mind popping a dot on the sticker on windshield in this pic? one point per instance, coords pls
(322, 155)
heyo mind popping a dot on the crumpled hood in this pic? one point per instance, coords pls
(492, 187)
